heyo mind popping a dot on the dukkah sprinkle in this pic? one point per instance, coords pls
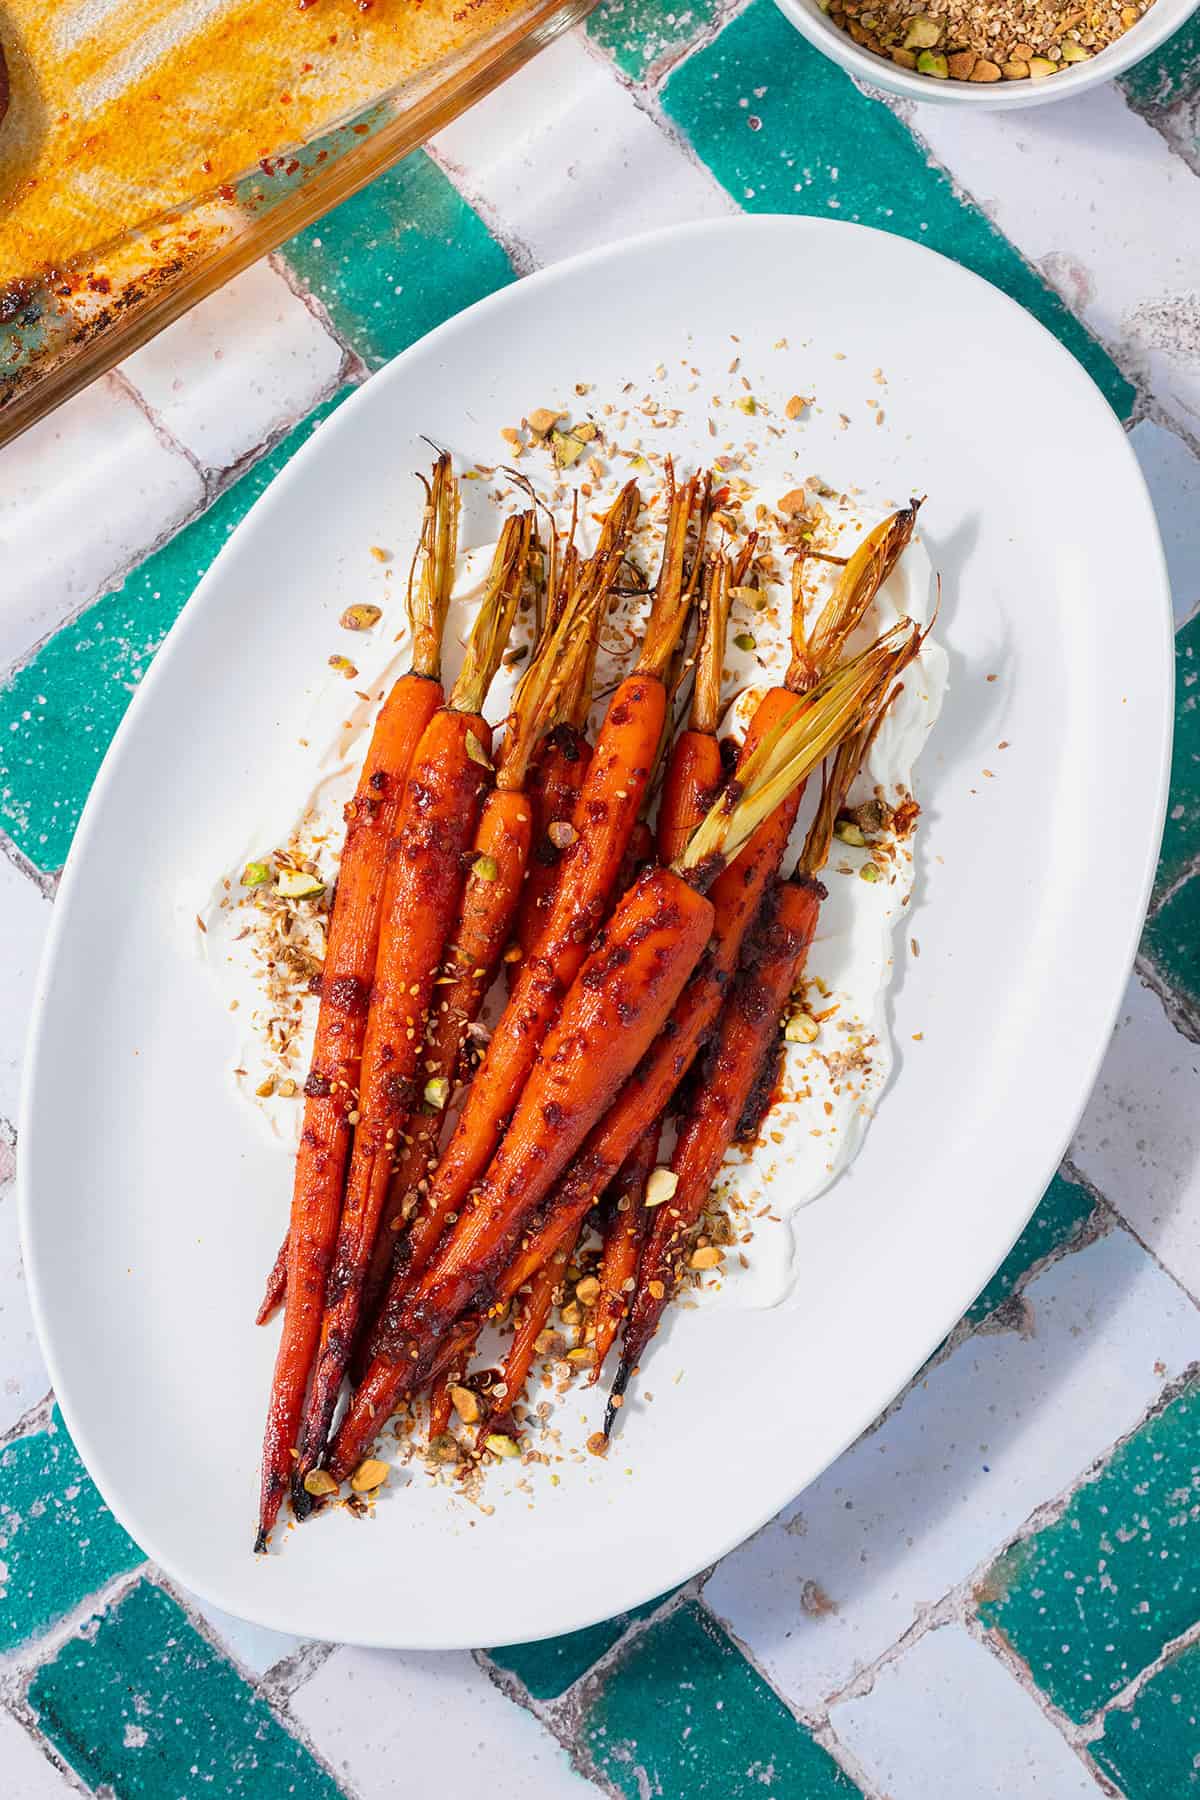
(984, 40)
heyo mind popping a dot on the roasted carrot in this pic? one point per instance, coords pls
(605, 814)
(742, 1061)
(611, 1014)
(446, 786)
(623, 1233)
(349, 968)
(535, 1307)
(694, 771)
(498, 864)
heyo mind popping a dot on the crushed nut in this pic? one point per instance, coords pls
(707, 1258)
(466, 1404)
(660, 1185)
(369, 1475)
(362, 617)
(320, 1481)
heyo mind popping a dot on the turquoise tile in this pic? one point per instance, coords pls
(685, 1717)
(58, 714)
(551, 1665)
(1181, 830)
(1172, 942)
(144, 1706)
(639, 34)
(1093, 1599)
(1152, 1748)
(784, 130)
(396, 259)
(1170, 73)
(58, 1541)
(1062, 1213)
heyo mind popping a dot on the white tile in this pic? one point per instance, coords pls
(1092, 195)
(28, 1774)
(429, 1724)
(1139, 1139)
(253, 1646)
(945, 1707)
(245, 363)
(585, 167)
(23, 1377)
(1009, 1420)
(24, 922)
(1173, 476)
(83, 494)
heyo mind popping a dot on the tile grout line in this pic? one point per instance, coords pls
(998, 1646)
(352, 369)
(1180, 1010)
(19, 1666)
(47, 885)
(124, 384)
(518, 252)
(22, 1715)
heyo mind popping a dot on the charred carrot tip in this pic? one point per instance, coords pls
(260, 1542)
(615, 1396)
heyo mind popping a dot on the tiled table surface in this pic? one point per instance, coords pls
(997, 1590)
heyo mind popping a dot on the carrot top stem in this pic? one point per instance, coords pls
(493, 622)
(673, 596)
(807, 734)
(432, 574)
(710, 655)
(859, 579)
(546, 695)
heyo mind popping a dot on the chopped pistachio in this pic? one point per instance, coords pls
(984, 70)
(361, 617)
(255, 873)
(567, 448)
(500, 1445)
(437, 1092)
(513, 954)
(745, 640)
(801, 1028)
(868, 872)
(561, 834)
(707, 1258)
(466, 1404)
(320, 1481)
(571, 1313)
(1040, 67)
(583, 1356)
(923, 33)
(746, 403)
(795, 406)
(1073, 52)
(484, 868)
(476, 751)
(542, 419)
(849, 832)
(287, 1089)
(344, 666)
(298, 884)
(587, 1292)
(586, 432)
(660, 1185)
(266, 1088)
(930, 62)
(369, 1475)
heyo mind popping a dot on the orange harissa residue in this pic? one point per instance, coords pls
(122, 109)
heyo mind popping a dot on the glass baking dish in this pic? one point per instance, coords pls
(151, 149)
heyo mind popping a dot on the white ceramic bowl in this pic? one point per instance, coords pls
(1163, 18)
